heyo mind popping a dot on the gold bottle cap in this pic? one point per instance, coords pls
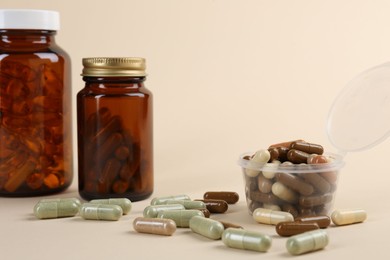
(114, 67)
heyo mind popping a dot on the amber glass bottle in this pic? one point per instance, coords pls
(115, 138)
(35, 105)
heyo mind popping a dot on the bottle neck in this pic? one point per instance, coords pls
(114, 82)
(26, 40)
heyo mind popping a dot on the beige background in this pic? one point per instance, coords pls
(227, 77)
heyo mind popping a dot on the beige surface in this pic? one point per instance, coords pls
(227, 77)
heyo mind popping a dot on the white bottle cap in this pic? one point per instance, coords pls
(29, 19)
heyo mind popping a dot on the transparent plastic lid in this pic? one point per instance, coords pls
(360, 116)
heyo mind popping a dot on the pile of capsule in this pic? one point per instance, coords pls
(287, 180)
(99, 209)
(165, 214)
(306, 233)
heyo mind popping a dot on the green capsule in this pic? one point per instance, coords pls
(76, 200)
(307, 242)
(188, 204)
(56, 209)
(206, 227)
(162, 200)
(181, 217)
(124, 203)
(152, 211)
(100, 211)
(244, 239)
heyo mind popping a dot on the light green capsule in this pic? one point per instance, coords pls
(162, 200)
(188, 204)
(245, 239)
(124, 203)
(307, 242)
(100, 211)
(181, 217)
(56, 209)
(76, 200)
(153, 210)
(206, 227)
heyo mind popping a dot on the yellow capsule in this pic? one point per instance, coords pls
(348, 216)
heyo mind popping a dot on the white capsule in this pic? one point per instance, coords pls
(348, 216)
(284, 193)
(261, 156)
(269, 170)
(271, 217)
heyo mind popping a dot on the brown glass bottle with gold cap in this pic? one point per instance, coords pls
(115, 131)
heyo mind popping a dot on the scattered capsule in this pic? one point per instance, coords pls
(207, 227)
(216, 206)
(245, 239)
(162, 200)
(321, 221)
(56, 209)
(75, 200)
(229, 196)
(286, 229)
(348, 216)
(181, 217)
(230, 225)
(271, 217)
(156, 226)
(188, 204)
(205, 212)
(307, 242)
(100, 211)
(124, 203)
(153, 210)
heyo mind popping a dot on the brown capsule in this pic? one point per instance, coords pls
(108, 174)
(19, 176)
(108, 147)
(205, 212)
(296, 156)
(267, 198)
(274, 154)
(290, 209)
(216, 206)
(286, 229)
(230, 197)
(315, 200)
(307, 212)
(122, 153)
(120, 186)
(295, 183)
(251, 182)
(283, 153)
(317, 159)
(317, 181)
(229, 225)
(285, 144)
(331, 177)
(321, 221)
(307, 147)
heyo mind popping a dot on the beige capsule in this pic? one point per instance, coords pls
(271, 217)
(156, 226)
(348, 216)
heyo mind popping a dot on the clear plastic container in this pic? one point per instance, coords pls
(315, 185)
(357, 120)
